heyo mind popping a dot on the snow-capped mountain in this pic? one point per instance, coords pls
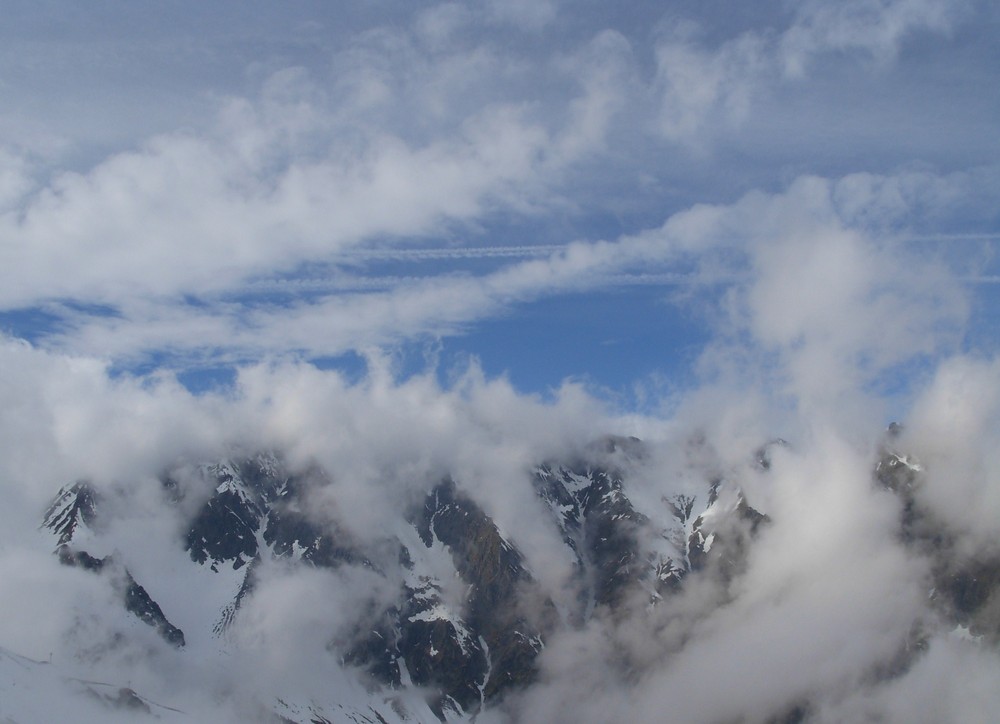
(445, 618)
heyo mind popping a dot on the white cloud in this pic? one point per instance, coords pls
(532, 15)
(875, 27)
(705, 89)
(930, 691)
(810, 272)
(15, 179)
(63, 418)
(700, 87)
(411, 134)
(955, 425)
(193, 215)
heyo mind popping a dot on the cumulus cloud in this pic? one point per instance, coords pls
(189, 215)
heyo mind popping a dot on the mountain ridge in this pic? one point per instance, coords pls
(466, 620)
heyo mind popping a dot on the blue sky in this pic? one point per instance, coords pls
(639, 197)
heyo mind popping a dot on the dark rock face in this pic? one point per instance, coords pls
(621, 552)
(128, 699)
(256, 498)
(289, 530)
(74, 507)
(123, 699)
(965, 589)
(135, 598)
(139, 603)
(610, 526)
(442, 654)
(724, 548)
(81, 559)
(472, 656)
(495, 573)
(225, 529)
(463, 618)
(599, 524)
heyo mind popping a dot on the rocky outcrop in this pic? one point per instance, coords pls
(134, 597)
(74, 509)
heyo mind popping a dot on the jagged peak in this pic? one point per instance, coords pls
(73, 508)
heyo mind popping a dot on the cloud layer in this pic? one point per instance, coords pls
(467, 128)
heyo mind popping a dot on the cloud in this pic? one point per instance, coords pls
(64, 418)
(828, 563)
(190, 215)
(532, 16)
(15, 180)
(440, 132)
(828, 596)
(705, 89)
(412, 433)
(698, 85)
(38, 628)
(954, 424)
(930, 691)
(819, 251)
(876, 28)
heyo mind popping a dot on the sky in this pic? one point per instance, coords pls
(403, 239)
(188, 189)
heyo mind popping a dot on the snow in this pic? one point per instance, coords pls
(963, 633)
(707, 542)
(440, 612)
(908, 462)
(489, 669)
(432, 567)
(574, 482)
(37, 691)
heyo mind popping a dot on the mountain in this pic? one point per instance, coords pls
(445, 617)
(964, 588)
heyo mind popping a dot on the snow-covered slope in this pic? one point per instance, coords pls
(39, 691)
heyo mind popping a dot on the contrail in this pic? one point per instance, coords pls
(985, 236)
(473, 252)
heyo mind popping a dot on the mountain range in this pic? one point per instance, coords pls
(440, 616)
